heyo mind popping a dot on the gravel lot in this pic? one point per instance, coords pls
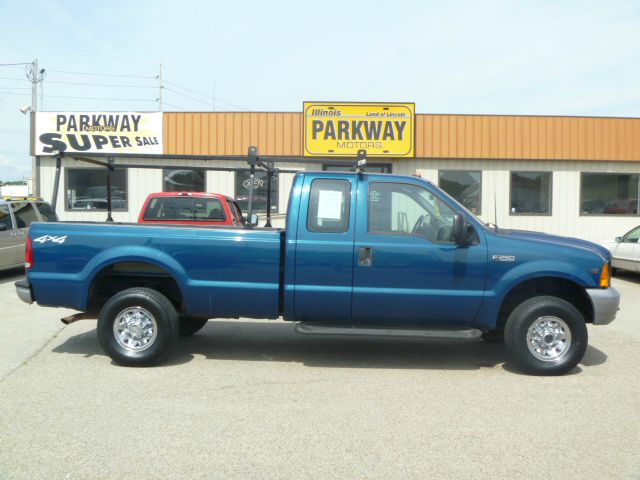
(248, 399)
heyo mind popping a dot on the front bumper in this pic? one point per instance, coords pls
(606, 302)
(23, 289)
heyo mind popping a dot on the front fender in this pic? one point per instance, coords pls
(499, 286)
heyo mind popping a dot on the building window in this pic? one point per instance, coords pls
(608, 194)
(259, 191)
(329, 204)
(87, 189)
(370, 168)
(530, 193)
(183, 180)
(464, 186)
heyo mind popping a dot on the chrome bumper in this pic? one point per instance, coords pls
(23, 289)
(606, 302)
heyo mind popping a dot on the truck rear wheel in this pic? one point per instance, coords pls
(546, 336)
(191, 325)
(137, 326)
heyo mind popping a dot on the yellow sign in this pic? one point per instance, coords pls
(341, 129)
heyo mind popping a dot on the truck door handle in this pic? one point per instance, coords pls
(365, 256)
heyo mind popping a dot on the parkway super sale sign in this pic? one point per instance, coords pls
(340, 129)
(98, 132)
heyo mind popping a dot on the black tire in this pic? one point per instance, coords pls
(144, 306)
(191, 325)
(565, 354)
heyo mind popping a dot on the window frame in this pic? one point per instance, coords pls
(529, 214)
(68, 170)
(479, 212)
(347, 202)
(608, 215)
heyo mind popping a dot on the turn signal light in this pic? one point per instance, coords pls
(605, 276)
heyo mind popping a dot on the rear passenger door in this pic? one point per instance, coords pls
(9, 253)
(324, 250)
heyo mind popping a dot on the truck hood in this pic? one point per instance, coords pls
(555, 240)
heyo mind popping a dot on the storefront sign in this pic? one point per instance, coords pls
(98, 132)
(334, 129)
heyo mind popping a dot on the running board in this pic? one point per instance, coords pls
(466, 333)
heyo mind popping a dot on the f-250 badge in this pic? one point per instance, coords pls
(504, 258)
(50, 238)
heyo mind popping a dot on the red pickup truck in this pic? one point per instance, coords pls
(191, 208)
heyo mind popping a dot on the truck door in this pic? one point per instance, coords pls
(407, 269)
(324, 250)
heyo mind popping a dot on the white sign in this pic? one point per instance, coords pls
(330, 205)
(98, 132)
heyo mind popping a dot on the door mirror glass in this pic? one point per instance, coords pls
(459, 232)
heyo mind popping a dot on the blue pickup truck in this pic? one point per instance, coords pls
(362, 254)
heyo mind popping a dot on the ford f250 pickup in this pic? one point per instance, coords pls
(361, 254)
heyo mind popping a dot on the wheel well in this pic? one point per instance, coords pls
(556, 287)
(122, 275)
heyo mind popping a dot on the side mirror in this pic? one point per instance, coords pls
(618, 239)
(459, 231)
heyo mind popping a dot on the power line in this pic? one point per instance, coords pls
(88, 98)
(100, 74)
(187, 89)
(174, 106)
(187, 96)
(9, 92)
(10, 78)
(101, 84)
(211, 98)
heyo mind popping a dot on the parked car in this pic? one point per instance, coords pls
(16, 216)
(625, 250)
(344, 265)
(191, 208)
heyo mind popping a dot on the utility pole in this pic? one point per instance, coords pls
(34, 85)
(214, 93)
(161, 87)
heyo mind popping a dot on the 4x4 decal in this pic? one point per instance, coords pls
(50, 238)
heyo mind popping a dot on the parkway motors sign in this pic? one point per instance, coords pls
(340, 129)
(98, 132)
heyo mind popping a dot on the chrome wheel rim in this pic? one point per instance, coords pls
(549, 339)
(135, 329)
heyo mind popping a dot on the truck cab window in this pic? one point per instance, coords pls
(405, 209)
(329, 206)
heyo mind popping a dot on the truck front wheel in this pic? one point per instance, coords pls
(546, 336)
(137, 326)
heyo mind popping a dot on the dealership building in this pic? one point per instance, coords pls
(575, 176)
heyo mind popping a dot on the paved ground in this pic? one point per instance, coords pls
(253, 400)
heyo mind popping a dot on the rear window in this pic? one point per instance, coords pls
(47, 213)
(185, 209)
(5, 218)
(25, 214)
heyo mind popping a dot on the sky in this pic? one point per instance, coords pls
(490, 57)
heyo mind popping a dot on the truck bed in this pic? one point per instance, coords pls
(221, 272)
